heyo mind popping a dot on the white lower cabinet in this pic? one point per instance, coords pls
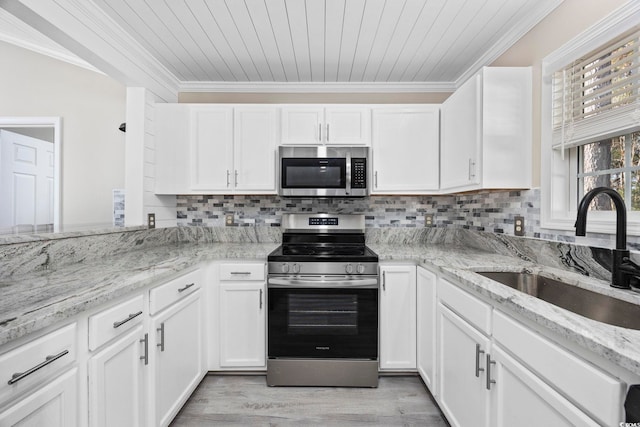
(55, 404)
(179, 359)
(494, 371)
(398, 317)
(426, 327)
(242, 316)
(242, 325)
(520, 398)
(117, 382)
(462, 353)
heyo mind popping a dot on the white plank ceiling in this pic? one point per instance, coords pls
(322, 40)
(428, 44)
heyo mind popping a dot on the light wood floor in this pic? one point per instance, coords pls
(247, 400)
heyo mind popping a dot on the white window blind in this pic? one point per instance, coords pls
(598, 96)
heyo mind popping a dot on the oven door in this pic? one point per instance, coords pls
(323, 317)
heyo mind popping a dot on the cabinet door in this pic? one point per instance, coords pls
(53, 405)
(116, 382)
(179, 356)
(405, 150)
(242, 324)
(520, 398)
(462, 351)
(302, 125)
(426, 327)
(347, 126)
(211, 144)
(398, 317)
(461, 137)
(255, 149)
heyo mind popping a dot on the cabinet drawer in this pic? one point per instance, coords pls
(466, 305)
(596, 392)
(113, 321)
(165, 295)
(30, 364)
(242, 271)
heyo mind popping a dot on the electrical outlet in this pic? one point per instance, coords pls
(428, 220)
(518, 225)
(151, 220)
(228, 219)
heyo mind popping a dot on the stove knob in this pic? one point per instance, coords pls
(360, 268)
(296, 268)
(285, 267)
(349, 268)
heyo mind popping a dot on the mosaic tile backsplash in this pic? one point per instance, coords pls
(487, 211)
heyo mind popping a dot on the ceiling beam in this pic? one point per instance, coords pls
(88, 32)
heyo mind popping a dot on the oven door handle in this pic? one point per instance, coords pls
(279, 282)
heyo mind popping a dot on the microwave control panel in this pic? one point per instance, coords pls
(358, 173)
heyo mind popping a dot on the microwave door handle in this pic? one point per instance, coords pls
(347, 186)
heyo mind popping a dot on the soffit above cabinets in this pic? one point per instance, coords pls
(276, 45)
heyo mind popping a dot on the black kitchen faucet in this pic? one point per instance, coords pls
(624, 272)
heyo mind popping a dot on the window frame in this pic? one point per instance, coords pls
(559, 168)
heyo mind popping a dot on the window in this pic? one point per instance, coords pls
(591, 123)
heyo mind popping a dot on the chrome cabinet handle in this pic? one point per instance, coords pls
(319, 132)
(185, 287)
(122, 322)
(49, 359)
(472, 166)
(384, 281)
(145, 340)
(228, 174)
(240, 273)
(375, 176)
(489, 363)
(260, 299)
(478, 353)
(327, 132)
(236, 177)
(161, 330)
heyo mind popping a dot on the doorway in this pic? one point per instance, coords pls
(29, 175)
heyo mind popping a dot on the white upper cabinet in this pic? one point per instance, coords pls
(211, 147)
(405, 149)
(486, 132)
(254, 149)
(215, 149)
(331, 125)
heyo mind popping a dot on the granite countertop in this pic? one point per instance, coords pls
(33, 302)
(619, 345)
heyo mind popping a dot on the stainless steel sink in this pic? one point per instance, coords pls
(577, 300)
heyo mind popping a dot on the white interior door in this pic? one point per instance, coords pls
(26, 181)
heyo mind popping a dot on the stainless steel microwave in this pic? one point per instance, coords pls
(321, 171)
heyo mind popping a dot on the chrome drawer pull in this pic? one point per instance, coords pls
(186, 287)
(478, 353)
(489, 363)
(260, 299)
(243, 273)
(49, 359)
(161, 330)
(145, 340)
(122, 322)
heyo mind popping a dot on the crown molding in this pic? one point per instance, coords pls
(508, 39)
(315, 87)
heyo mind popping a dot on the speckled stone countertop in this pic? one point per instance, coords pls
(35, 301)
(619, 345)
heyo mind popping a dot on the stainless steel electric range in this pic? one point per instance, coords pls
(322, 294)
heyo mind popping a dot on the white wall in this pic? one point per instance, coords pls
(91, 106)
